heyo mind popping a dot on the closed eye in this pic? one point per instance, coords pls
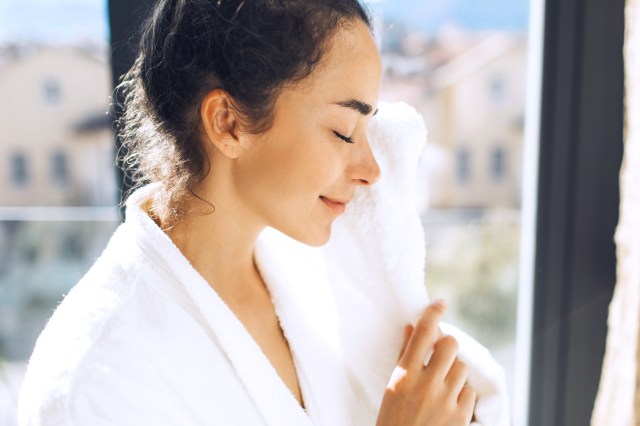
(343, 137)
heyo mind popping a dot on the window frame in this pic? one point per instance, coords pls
(580, 152)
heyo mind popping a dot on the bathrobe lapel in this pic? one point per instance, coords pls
(296, 277)
(269, 393)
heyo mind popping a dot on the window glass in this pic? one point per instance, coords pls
(463, 165)
(497, 163)
(57, 188)
(19, 173)
(39, 261)
(497, 90)
(59, 167)
(463, 66)
(460, 63)
(55, 74)
(52, 92)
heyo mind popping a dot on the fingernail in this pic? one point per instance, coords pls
(440, 302)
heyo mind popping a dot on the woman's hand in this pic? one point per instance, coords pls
(431, 395)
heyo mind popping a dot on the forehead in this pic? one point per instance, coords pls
(350, 68)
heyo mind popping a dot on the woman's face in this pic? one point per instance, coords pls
(289, 175)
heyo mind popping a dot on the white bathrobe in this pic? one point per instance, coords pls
(143, 339)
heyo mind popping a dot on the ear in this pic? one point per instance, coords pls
(220, 123)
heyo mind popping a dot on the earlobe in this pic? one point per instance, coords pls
(220, 124)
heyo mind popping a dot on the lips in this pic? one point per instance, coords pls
(336, 205)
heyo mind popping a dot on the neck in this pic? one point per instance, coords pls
(220, 245)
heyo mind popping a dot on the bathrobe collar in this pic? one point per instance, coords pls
(303, 306)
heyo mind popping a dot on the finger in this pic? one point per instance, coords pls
(467, 401)
(457, 376)
(408, 330)
(444, 354)
(423, 337)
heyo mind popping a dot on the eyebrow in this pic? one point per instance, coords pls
(359, 106)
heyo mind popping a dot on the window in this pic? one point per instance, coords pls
(59, 170)
(461, 66)
(49, 238)
(19, 172)
(497, 89)
(497, 167)
(463, 165)
(582, 50)
(52, 92)
(581, 113)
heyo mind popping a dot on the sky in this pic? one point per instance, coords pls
(64, 21)
(429, 15)
(53, 21)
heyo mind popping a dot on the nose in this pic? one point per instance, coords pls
(365, 169)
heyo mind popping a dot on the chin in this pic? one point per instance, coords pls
(315, 239)
(317, 243)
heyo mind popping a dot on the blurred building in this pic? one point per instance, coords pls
(471, 91)
(56, 144)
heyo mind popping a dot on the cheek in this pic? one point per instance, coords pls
(282, 178)
(319, 172)
(306, 168)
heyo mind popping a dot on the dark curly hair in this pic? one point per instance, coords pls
(249, 48)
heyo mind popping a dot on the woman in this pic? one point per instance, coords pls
(243, 115)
